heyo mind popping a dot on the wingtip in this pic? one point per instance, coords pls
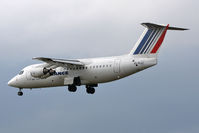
(35, 58)
(186, 29)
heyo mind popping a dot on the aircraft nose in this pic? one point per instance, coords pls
(12, 82)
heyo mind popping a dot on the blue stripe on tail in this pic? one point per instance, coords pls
(143, 41)
(154, 31)
(154, 38)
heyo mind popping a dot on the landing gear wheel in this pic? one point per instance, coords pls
(72, 88)
(20, 93)
(90, 90)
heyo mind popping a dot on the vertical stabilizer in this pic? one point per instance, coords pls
(151, 39)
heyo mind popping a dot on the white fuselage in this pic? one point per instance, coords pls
(91, 72)
(96, 70)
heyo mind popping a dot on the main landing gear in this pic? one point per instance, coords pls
(72, 88)
(20, 93)
(89, 88)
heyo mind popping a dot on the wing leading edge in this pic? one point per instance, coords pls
(59, 62)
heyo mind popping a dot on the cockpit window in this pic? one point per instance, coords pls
(21, 72)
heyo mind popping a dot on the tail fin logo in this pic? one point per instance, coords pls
(152, 40)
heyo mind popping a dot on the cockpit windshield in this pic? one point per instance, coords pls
(21, 72)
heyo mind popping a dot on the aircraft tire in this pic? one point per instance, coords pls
(20, 93)
(90, 90)
(72, 88)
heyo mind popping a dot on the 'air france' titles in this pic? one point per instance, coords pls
(61, 73)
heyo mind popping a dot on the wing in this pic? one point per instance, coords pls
(59, 62)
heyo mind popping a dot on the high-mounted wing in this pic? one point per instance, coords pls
(59, 62)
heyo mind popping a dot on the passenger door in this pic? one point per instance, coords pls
(116, 67)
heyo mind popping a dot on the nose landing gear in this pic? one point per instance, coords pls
(20, 93)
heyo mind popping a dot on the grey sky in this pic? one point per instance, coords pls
(162, 99)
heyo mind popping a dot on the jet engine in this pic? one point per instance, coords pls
(42, 72)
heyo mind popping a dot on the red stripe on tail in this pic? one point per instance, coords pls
(159, 42)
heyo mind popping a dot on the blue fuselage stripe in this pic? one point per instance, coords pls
(143, 41)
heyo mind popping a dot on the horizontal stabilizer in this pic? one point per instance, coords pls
(152, 26)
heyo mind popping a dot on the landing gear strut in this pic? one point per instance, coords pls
(20, 93)
(72, 88)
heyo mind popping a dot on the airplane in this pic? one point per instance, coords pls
(93, 71)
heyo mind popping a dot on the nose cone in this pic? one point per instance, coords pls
(12, 82)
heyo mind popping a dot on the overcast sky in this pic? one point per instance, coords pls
(164, 98)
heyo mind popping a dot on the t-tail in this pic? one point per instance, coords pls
(150, 41)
